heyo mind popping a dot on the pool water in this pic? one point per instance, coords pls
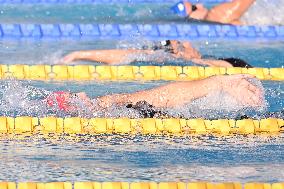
(119, 157)
(142, 158)
(88, 13)
(24, 98)
(122, 13)
(134, 158)
(257, 53)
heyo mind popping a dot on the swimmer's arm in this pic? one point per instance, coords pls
(169, 95)
(110, 56)
(230, 12)
(213, 63)
(177, 94)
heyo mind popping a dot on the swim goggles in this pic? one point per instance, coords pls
(163, 45)
(180, 10)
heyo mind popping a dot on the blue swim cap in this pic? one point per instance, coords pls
(179, 9)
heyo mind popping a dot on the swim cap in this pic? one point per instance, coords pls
(236, 62)
(165, 42)
(57, 98)
(163, 45)
(179, 9)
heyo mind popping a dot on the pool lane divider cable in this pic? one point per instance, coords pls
(150, 31)
(129, 73)
(138, 185)
(145, 126)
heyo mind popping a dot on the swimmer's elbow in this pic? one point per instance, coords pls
(219, 19)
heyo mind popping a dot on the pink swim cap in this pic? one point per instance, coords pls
(58, 98)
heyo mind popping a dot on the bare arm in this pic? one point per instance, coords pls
(110, 56)
(209, 62)
(230, 12)
(179, 93)
(169, 95)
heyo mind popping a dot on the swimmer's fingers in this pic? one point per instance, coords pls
(250, 99)
(258, 94)
(69, 58)
(252, 93)
(256, 90)
(66, 59)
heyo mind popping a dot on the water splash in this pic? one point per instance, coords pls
(53, 58)
(265, 12)
(21, 98)
(218, 104)
(135, 43)
(142, 158)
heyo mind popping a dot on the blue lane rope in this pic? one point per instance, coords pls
(152, 31)
(103, 1)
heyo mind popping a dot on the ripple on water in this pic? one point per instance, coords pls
(141, 158)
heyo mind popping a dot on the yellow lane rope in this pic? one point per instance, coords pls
(90, 72)
(154, 126)
(138, 185)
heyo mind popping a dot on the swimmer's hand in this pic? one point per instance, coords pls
(239, 87)
(70, 57)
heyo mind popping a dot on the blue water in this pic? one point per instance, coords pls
(23, 98)
(102, 13)
(137, 158)
(129, 158)
(257, 53)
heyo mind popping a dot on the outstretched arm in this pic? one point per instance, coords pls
(110, 56)
(229, 13)
(179, 93)
(214, 63)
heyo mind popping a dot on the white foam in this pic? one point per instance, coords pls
(21, 97)
(265, 12)
(218, 103)
(17, 97)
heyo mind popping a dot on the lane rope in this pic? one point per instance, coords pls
(155, 126)
(138, 185)
(151, 31)
(129, 73)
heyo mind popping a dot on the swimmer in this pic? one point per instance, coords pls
(176, 94)
(226, 13)
(167, 50)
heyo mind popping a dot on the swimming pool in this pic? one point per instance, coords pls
(142, 158)
(257, 53)
(135, 158)
(116, 12)
(72, 13)
(112, 157)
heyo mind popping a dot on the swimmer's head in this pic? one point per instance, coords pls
(187, 9)
(58, 99)
(179, 49)
(236, 62)
(165, 45)
(172, 46)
